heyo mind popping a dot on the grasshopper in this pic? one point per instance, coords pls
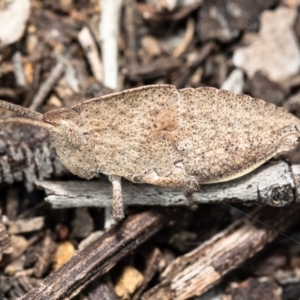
(159, 135)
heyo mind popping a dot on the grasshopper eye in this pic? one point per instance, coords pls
(55, 117)
(184, 145)
(72, 132)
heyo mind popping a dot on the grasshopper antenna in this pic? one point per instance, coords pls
(37, 123)
(33, 118)
(20, 110)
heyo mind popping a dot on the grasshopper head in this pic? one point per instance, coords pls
(73, 140)
(71, 136)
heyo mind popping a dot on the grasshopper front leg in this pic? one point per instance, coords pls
(117, 205)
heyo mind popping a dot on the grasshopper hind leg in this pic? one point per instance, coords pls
(289, 139)
(176, 180)
(173, 180)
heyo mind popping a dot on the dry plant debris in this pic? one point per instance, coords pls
(274, 50)
(130, 280)
(13, 17)
(56, 54)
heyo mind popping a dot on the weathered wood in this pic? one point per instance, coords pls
(26, 154)
(273, 184)
(99, 257)
(197, 271)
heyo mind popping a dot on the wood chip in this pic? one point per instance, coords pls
(129, 281)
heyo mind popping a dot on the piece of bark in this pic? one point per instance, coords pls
(197, 271)
(100, 256)
(272, 184)
(16, 266)
(28, 225)
(21, 285)
(285, 277)
(27, 154)
(90, 239)
(8, 93)
(151, 48)
(47, 22)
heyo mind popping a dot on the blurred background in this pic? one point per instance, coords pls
(57, 53)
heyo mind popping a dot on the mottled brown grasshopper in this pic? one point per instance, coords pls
(163, 136)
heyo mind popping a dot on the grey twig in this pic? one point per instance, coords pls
(90, 49)
(199, 270)
(47, 86)
(18, 69)
(109, 32)
(273, 184)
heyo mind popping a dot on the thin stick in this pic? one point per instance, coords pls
(47, 86)
(129, 19)
(272, 184)
(90, 49)
(188, 37)
(109, 32)
(18, 69)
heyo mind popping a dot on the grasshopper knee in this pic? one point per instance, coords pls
(288, 139)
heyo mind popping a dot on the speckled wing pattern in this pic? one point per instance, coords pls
(164, 154)
(123, 125)
(232, 134)
(204, 134)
